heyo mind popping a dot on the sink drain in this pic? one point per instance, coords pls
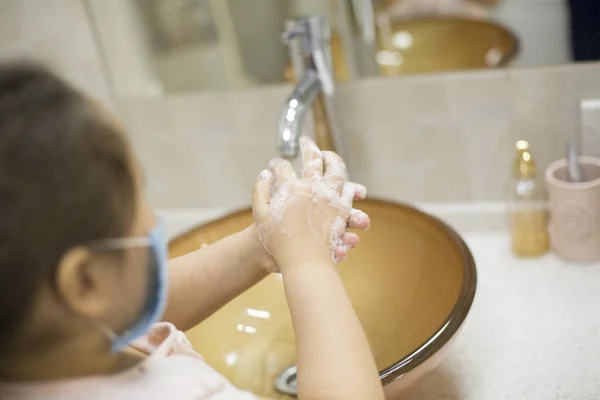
(286, 382)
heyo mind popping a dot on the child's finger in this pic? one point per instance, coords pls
(350, 239)
(360, 192)
(340, 254)
(348, 194)
(261, 194)
(282, 170)
(359, 220)
(312, 159)
(335, 171)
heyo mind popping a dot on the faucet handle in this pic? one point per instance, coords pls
(288, 36)
(315, 40)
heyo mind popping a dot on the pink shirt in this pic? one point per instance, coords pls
(173, 370)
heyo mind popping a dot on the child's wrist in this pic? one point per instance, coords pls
(313, 263)
(252, 250)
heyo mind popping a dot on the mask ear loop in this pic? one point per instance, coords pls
(104, 329)
(112, 245)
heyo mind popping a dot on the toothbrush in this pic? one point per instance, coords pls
(574, 173)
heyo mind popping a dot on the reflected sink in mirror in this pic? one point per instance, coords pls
(432, 45)
(412, 281)
(428, 45)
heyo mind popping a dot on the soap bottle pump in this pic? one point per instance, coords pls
(527, 206)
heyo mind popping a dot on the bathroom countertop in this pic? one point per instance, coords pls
(533, 331)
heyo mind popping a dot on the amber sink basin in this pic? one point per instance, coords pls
(412, 281)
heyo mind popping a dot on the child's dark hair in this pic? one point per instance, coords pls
(65, 179)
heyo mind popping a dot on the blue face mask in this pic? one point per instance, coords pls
(156, 298)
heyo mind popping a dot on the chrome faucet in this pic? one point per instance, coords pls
(310, 52)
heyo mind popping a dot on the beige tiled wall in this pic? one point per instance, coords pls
(421, 138)
(203, 149)
(590, 127)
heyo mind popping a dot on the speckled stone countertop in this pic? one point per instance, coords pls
(533, 331)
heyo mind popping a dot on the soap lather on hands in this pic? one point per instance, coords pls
(288, 208)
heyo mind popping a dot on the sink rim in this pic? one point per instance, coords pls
(459, 312)
(451, 324)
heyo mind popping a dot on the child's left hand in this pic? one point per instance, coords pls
(357, 220)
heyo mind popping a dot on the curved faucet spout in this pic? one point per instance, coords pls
(294, 111)
(310, 53)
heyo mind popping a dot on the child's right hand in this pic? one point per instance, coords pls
(301, 220)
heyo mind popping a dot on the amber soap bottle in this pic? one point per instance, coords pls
(527, 206)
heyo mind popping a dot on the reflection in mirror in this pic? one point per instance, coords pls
(153, 47)
(156, 46)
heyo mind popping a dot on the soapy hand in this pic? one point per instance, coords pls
(300, 219)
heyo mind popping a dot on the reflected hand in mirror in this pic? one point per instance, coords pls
(314, 209)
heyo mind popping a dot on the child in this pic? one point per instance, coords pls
(83, 263)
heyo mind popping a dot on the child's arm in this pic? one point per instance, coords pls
(300, 226)
(334, 357)
(203, 281)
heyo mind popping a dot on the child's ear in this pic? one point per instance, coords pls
(79, 283)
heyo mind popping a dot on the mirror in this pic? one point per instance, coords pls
(156, 47)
